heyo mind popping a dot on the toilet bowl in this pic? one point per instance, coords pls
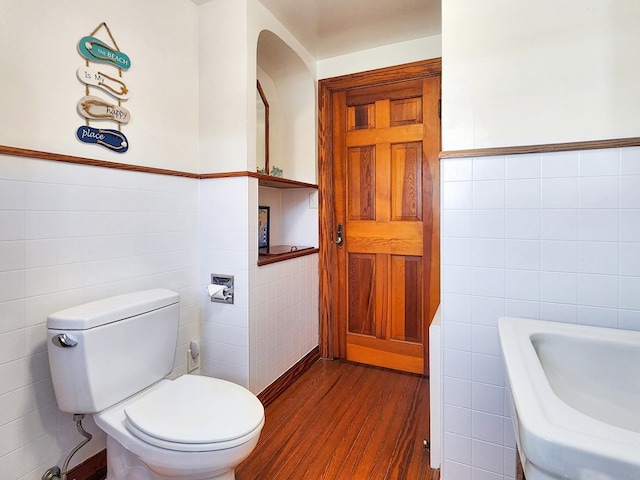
(111, 358)
(192, 428)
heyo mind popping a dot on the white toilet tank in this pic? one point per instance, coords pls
(105, 351)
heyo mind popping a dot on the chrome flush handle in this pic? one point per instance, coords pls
(63, 340)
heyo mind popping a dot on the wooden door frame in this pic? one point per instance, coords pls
(329, 340)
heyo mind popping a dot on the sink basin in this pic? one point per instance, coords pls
(575, 399)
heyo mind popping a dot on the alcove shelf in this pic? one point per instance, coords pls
(279, 253)
(263, 180)
(279, 182)
(292, 246)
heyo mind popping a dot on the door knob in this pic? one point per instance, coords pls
(339, 238)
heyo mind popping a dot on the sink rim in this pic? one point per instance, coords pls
(553, 436)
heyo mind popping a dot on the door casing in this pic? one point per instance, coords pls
(329, 341)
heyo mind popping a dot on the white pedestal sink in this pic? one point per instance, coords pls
(575, 399)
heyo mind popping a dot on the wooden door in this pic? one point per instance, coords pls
(386, 141)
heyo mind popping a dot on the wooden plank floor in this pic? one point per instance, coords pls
(345, 421)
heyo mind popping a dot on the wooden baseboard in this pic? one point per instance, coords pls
(519, 471)
(95, 468)
(273, 391)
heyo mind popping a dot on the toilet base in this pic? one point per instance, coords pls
(124, 465)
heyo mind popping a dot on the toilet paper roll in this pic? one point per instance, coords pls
(219, 292)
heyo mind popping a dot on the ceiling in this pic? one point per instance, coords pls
(328, 28)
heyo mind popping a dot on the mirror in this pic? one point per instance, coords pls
(262, 129)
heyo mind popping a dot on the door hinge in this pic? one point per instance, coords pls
(440, 109)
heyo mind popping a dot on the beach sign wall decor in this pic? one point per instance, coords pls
(105, 103)
(95, 51)
(97, 109)
(113, 86)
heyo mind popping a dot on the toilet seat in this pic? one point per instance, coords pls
(195, 413)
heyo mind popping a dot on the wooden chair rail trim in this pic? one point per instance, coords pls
(265, 180)
(57, 157)
(543, 148)
(284, 182)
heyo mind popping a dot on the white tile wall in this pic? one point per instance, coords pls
(71, 234)
(283, 317)
(553, 236)
(224, 236)
(273, 322)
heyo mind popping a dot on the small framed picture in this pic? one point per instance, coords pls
(263, 227)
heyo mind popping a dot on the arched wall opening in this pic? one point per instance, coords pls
(290, 91)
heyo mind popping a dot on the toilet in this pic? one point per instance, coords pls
(109, 358)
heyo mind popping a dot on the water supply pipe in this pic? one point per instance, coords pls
(54, 473)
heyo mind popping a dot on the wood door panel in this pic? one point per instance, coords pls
(361, 294)
(361, 116)
(385, 237)
(361, 183)
(405, 111)
(406, 298)
(406, 181)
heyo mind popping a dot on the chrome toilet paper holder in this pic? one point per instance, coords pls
(227, 282)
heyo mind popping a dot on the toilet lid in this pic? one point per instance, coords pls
(195, 409)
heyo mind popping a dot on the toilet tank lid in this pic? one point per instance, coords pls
(111, 309)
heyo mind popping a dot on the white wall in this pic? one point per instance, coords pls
(290, 93)
(538, 72)
(380, 57)
(229, 206)
(40, 91)
(72, 233)
(224, 245)
(229, 31)
(554, 237)
(273, 322)
(300, 219)
(292, 219)
(224, 122)
(550, 236)
(283, 317)
(288, 79)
